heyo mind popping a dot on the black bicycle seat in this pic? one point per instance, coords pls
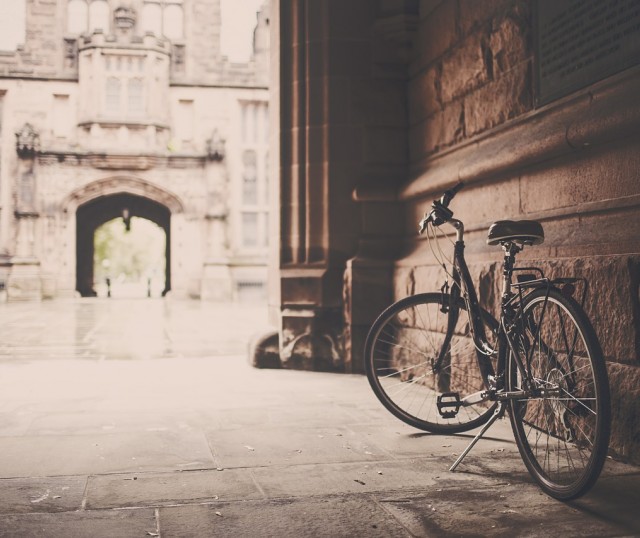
(528, 232)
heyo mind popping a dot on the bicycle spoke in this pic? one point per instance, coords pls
(405, 370)
(559, 428)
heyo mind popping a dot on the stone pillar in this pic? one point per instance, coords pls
(24, 278)
(368, 282)
(329, 144)
(343, 130)
(312, 251)
(216, 277)
(217, 284)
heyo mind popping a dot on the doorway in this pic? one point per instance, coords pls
(110, 244)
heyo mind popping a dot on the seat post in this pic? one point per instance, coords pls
(510, 251)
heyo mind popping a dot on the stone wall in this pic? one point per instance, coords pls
(571, 164)
(471, 71)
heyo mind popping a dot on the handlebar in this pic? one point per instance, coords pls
(448, 195)
(440, 212)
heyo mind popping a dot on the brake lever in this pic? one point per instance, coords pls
(423, 224)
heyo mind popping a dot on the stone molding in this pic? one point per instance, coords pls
(118, 185)
(123, 161)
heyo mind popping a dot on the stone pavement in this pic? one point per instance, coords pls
(143, 418)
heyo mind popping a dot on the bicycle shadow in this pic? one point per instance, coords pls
(468, 436)
(614, 499)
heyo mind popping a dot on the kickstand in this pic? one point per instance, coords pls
(496, 415)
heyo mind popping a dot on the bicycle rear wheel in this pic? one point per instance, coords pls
(400, 352)
(562, 435)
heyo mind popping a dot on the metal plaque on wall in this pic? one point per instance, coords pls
(579, 42)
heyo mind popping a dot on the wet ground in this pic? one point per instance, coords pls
(143, 418)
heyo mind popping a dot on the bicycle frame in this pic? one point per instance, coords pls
(511, 314)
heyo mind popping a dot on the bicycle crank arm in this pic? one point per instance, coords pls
(512, 395)
(475, 398)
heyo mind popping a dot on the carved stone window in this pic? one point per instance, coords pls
(250, 229)
(163, 18)
(249, 178)
(135, 97)
(112, 96)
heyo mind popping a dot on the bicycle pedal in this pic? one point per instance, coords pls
(449, 400)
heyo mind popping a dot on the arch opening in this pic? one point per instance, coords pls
(129, 258)
(91, 219)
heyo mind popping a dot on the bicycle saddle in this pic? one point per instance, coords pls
(529, 232)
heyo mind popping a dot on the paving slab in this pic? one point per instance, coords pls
(83, 524)
(340, 478)
(27, 495)
(260, 446)
(300, 415)
(107, 453)
(508, 511)
(156, 489)
(615, 499)
(333, 517)
(80, 422)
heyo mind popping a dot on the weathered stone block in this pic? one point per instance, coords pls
(625, 426)
(465, 68)
(586, 176)
(436, 34)
(475, 13)
(264, 350)
(612, 301)
(498, 101)
(310, 339)
(510, 42)
(424, 94)
(438, 131)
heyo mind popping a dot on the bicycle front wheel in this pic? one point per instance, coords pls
(563, 432)
(401, 349)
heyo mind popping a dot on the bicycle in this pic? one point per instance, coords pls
(441, 363)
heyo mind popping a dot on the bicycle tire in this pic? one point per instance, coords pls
(562, 437)
(400, 348)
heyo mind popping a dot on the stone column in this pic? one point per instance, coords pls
(24, 278)
(368, 282)
(217, 284)
(343, 129)
(319, 165)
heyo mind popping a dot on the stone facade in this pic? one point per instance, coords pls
(132, 101)
(384, 105)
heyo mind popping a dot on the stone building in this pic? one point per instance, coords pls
(384, 104)
(128, 108)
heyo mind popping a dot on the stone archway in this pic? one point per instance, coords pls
(93, 214)
(103, 200)
(122, 185)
